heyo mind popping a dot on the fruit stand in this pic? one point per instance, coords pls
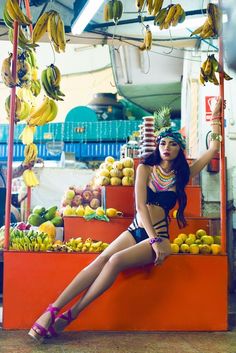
(188, 291)
(183, 284)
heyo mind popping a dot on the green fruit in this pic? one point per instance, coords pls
(35, 219)
(39, 210)
(57, 221)
(50, 213)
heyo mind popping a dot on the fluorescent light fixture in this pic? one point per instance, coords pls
(85, 15)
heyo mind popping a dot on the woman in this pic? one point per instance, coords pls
(160, 182)
(16, 173)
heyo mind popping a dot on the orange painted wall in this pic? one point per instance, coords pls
(185, 293)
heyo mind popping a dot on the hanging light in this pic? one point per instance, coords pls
(85, 15)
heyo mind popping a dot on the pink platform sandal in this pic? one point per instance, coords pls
(67, 316)
(37, 331)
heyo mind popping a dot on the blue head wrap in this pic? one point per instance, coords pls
(174, 134)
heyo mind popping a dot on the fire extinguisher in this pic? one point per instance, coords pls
(214, 165)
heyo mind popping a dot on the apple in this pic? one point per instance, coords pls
(96, 193)
(129, 172)
(77, 200)
(69, 195)
(66, 202)
(78, 191)
(127, 181)
(95, 203)
(127, 162)
(115, 181)
(87, 195)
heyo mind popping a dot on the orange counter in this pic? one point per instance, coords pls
(185, 293)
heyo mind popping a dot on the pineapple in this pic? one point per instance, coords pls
(162, 118)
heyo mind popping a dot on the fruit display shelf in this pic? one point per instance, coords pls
(108, 231)
(190, 293)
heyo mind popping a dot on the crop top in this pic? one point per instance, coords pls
(164, 199)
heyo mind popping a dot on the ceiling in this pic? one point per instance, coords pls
(149, 79)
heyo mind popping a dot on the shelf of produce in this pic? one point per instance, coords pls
(107, 231)
(98, 230)
(211, 226)
(190, 293)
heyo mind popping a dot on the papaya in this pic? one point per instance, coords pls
(57, 221)
(50, 213)
(39, 210)
(35, 219)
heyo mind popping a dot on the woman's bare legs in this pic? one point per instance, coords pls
(137, 255)
(86, 277)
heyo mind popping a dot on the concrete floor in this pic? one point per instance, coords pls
(91, 342)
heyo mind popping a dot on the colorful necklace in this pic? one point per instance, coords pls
(162, 180)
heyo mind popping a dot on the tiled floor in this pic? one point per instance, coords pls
(91, 342)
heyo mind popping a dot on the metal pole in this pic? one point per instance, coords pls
(11, 140)
(28, 205)
(223, 181)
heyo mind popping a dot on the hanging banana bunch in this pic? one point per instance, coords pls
(12, 12)
(27, 135)
(6, 72)
(24, 42)
(30, 153)
(35, 85)
(212, 25)
(30, 178)
(170, 16)
(51, 78)
(52, 23)
(139, 4)
(113, 10)
(147, 42)
(23, 109)
(208, 71)
(45, 113)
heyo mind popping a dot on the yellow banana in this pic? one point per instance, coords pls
(169, 16)
(105, 13)
(16, 13)
(178, 13)
(40, 110)
(148, 39)
(6, 72)
(139, 4)
(25, 111)
(40, 27)
(45, 115)
(61, 34)
(54, 111)
(27, 135)
(150, 6)
(157, 6)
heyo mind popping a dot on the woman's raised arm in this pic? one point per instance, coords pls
(215, 139)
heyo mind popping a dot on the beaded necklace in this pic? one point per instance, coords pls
(162, 180)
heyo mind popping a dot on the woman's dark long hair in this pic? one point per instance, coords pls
(182, 171)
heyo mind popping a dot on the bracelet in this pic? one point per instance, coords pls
(155, 240)
(216, 123)
(218, 118)
(216, 137)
